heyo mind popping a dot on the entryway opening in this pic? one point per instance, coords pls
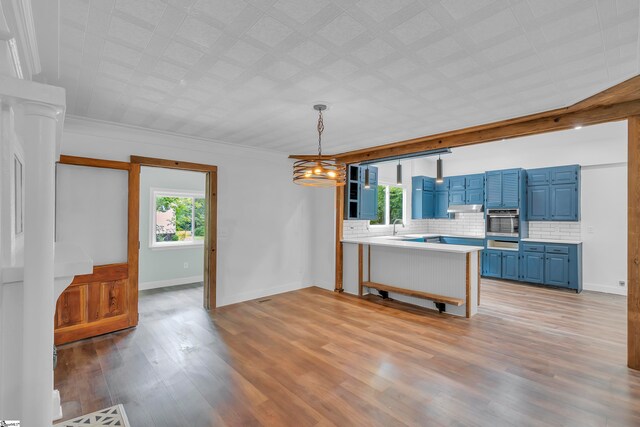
(173, 229)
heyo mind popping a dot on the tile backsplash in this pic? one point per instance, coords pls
(468, 224)
(559, 230)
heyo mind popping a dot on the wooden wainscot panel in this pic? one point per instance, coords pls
(113, 298)
(70, 309)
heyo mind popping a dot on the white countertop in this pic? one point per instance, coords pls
(434, 247)
(429, 235)
(567, 242)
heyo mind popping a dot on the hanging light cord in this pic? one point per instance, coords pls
(320, 130)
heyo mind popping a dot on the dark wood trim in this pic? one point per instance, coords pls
(633, 242)
(339, 247)
(133, 241)
(172, 164)
(103, 273)
(211, 238)
(95, 163)
(418, 294)
(468, 282)
(369, 262)
(479, 274)
(82, 331)
(360, 268)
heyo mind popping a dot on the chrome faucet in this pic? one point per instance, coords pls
(395, 221)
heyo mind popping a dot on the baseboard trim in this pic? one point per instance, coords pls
(246, 296)
(170, 282)
(595, 287)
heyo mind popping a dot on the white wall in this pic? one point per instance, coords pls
(161, 267)
(265, 221)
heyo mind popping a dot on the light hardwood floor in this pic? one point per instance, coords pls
(532, 356)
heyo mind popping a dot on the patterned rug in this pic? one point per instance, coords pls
(114, 416)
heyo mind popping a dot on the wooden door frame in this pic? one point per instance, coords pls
(133, 209)
(211, 213)
(617, 103)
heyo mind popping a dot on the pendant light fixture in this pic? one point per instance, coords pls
(367, 182)
(439, 178)
(319, 171)
(399, 173)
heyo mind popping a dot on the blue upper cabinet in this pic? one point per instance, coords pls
(422, 197)
(368, 196)
(441, 204)
(553, 194)
(502, 188)
(475, 182)
(457, 197)
(457, 183)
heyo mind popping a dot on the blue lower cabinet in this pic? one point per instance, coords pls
(552, 264)
(492, 263)
(556, 267)
(510, 265)
(441, 204)
(532, 267)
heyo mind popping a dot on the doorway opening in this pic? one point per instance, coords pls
(172, 233)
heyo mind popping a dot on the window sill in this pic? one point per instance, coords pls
(176, 246)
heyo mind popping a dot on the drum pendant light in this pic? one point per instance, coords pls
(319, 171)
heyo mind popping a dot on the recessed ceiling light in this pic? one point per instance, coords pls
(182, 82)
(578, 127)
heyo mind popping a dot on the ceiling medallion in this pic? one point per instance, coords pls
(319, 171)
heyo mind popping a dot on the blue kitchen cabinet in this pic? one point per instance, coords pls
(474, 196)
(553, 194)
(457, 183)
(474, 182)
(510, 265)
(441, 204)
(502, 188)
(556, 269)
(493, 189)
(532, 267)
(368, 196)
(428, 204)
(538, 202)
(564, 200)
(422, 197)
(552, 264)
(492, 263)
(457, 197)
(467, 241)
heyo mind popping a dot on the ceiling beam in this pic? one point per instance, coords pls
(616, 103)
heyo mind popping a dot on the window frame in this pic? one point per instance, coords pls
(387, 207)
(168, 192)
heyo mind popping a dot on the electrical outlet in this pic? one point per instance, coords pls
(186, 265)
(590, 229)
(621, 283)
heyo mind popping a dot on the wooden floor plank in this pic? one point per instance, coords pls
(532, 356)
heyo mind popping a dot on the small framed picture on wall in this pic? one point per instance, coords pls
(18, 195)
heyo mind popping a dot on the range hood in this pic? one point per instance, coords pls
(464, 208)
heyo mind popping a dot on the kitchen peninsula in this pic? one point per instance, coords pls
(408, 269)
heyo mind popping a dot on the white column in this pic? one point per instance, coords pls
(39, 144)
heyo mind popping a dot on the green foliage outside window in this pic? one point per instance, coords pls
(382, 196)
(187, 221)
(394, 210)
(395, 204)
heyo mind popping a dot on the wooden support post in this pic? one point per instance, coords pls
(633, 242)
(360, 269)
(468, 302)
(339, 249)
(479, 270)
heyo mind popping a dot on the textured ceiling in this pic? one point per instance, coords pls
(248, 72)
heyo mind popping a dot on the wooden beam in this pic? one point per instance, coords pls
(211, 248)
(172, 164)
(95, 163)
(633, 242)
(530, 125)
(418, 294)
(339, 248)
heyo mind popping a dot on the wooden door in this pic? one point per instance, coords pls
(107, 300)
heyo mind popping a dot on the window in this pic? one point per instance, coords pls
(178, 218)
(390, 204)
